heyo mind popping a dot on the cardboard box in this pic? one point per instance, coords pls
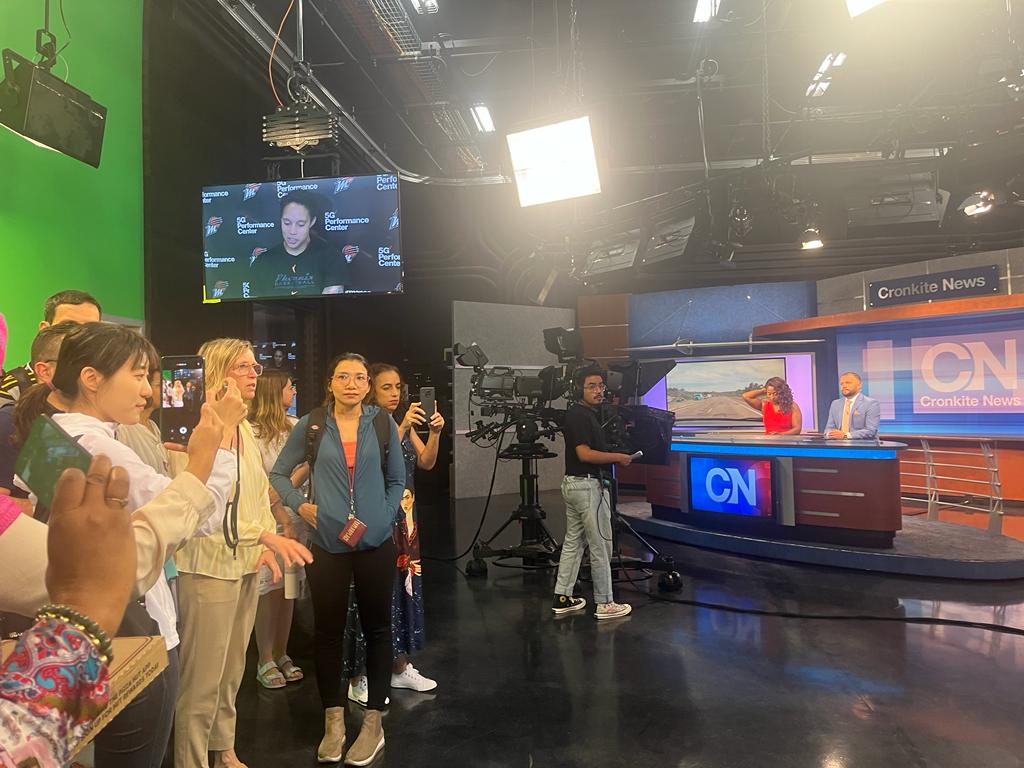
(137, 662)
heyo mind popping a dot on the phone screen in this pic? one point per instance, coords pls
(182, 393)
(47, 452)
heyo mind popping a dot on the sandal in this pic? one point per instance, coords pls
(291, 672)
(269, 676)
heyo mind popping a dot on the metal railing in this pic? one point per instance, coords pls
(935, 462)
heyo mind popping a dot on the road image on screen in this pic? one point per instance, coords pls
(713, 389)
(302, 238)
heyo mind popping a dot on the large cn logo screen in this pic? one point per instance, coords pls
(734, 486)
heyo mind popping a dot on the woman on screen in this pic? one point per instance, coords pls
(303, 264)
(779, 411)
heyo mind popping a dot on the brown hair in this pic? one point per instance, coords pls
(267, 414)
(783, 394)
(375, 370)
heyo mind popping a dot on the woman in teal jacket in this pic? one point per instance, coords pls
(352, 543)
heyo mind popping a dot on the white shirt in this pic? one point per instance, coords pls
(145, 483)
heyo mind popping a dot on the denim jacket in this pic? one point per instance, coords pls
(378, 498)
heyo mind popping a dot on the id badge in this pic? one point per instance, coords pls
(352, 532)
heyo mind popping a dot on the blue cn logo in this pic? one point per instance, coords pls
(735, 486)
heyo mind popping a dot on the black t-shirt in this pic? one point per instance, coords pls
(583, 428)
(277, 273)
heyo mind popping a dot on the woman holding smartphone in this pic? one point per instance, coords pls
(355, 497)
(407, 633)
(218, 583)
(103, 378)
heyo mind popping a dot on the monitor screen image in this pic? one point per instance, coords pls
(302, 238)
(279, 356)
(713, 389)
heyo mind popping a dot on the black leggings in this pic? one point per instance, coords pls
(329, 577)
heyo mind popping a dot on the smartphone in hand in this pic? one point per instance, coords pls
(47, 452)
(428, 402)
(182, 393)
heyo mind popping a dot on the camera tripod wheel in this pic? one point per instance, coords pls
(476, 569)
(670, 581)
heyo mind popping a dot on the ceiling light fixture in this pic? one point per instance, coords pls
(857, 7)
(811, 239)
(978, 203)
(706, 10)
(554, 162)
(482, 118)
(425, 6)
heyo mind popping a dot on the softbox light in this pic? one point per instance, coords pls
(554, 162)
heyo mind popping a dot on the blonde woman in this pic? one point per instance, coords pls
(271, 425)
(218, 586)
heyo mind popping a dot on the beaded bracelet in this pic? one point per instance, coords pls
(83, 624)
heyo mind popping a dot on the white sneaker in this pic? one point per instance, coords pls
(412, 680)
(359, 692)
(612, 610)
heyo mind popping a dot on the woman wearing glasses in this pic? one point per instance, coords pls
(218, 585)
(356, 499)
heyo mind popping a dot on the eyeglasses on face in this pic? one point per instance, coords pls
(345, 378)
(243, 369)
(596, 387)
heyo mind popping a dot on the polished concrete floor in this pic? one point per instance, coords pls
(677, 685)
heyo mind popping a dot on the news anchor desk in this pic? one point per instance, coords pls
(796, 487)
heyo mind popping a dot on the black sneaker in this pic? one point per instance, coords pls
(563, 604)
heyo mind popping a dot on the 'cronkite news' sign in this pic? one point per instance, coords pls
(976, 281)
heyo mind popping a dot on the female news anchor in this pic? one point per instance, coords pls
(779, 411)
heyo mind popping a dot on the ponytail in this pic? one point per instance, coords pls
(30, 406)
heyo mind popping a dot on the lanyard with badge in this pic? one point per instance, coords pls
(354, 528)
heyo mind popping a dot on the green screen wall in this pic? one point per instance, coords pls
(64, 224)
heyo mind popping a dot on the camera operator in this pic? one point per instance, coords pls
(588, 512)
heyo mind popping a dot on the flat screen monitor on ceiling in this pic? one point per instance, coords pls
(302, 238)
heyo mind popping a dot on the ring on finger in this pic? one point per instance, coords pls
(122, 503)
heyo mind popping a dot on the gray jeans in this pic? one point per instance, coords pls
(588, 514)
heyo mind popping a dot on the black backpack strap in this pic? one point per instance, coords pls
(382, 426)
(314, 434)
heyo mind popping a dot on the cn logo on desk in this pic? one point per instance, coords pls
(731, 485)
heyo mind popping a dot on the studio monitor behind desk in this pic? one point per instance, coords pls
(782, 487)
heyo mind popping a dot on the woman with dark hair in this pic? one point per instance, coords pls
(102, 378)
(407, 634)
(354, 503)
(778, 409)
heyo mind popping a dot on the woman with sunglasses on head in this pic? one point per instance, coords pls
(218, 585)
(271, 425)
(357, 477)
(407, 633)
(102, 379)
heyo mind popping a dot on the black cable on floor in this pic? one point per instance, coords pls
(834, 617)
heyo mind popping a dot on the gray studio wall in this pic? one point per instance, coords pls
(848, 293)
(509, 335)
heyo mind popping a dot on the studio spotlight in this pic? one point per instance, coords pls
(706, 10)
(740, 223)
(482, 118)
(811, 239)
(857, 7)
(554, 162)
(978, 203)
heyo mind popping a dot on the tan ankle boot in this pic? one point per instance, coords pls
(370, 741)
(333, 744)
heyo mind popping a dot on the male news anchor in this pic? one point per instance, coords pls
(854, 416)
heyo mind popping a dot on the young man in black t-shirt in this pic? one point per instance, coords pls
(588, 511)
(300, 265)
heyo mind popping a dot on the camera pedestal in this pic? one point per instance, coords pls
(537, 548)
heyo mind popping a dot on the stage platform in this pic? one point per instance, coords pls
(922, 548)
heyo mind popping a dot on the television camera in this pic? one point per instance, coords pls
(524, 404)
